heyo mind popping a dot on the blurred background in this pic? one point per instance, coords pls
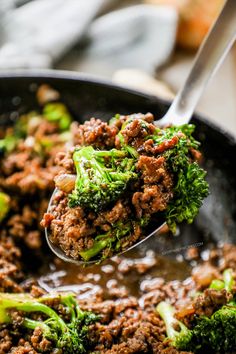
(148, 45)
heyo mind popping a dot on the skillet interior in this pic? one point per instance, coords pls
(86, 98)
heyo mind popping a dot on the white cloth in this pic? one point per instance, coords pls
(41, 31)
(140, 37)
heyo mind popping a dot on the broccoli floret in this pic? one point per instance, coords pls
(9, 143)
(190, 186)
(53, 112)
(102, 176)
(111, 239)
(216, 334)
(189, 192)
(4, 205)
(70, 336)
(58, 113)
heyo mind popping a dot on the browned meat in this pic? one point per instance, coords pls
(150, 201)
(73, 229)
(5, 341)
(10, 265)
(210, 301)
(129, 322)
(135, 132)
(94, 132)
(23, 348)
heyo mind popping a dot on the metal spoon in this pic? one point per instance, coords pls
(209, 57)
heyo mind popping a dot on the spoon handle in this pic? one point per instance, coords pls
(209, 57)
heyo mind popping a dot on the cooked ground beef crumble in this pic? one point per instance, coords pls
(129, 321)
(75, 229)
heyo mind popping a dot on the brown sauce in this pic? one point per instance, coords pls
(130, 274)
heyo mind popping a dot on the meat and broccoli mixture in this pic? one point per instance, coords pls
(118, 178)
(125, 305)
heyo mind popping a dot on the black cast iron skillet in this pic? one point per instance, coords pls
(88, 97)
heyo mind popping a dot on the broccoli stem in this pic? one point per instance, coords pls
(70, 336)
(112, 237)
(217, 284)
(46, 330)
(97, 247)
(227, 283)
(215, 334)
(166, 311)
(228, 279)
(28, 306)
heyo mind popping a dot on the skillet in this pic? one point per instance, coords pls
(86, 97)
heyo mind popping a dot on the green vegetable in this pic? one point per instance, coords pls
(102, 176)
(189, 192)
(22, 124)
(4, 205)
(9, 143)
(53, 112)
(217, 284)
(227, 283)
(228, 279)
(216, 334)
(114, 119)
(71, 336)
(111, 239)
(190, 186)
(93, 251)
(179, 335)
(58, 113)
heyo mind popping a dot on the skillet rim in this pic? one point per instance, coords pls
(99, 81)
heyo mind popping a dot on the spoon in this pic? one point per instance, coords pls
(209, 57)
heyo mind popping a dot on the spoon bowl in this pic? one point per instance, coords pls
(59, 252)
(209, 57)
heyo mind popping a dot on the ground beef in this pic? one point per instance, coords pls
(31, 169)
(127, 328)
(94, 132)
(10, 265)
(74, 230)
(129, 322)
(5, 341)
(150, 201)
(210, 301)
(135, 132)
(24, 347)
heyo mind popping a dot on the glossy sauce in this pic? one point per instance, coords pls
(130, 275)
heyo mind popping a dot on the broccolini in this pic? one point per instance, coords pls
(71, 336)
(190, 186)
(215, 334)
(102, 177)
